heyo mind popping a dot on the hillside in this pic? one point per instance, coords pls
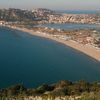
(63, 89)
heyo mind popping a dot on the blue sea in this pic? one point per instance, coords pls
(33, 60)
(79, 11)
(70, 26)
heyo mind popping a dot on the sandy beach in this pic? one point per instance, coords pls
(86, 49)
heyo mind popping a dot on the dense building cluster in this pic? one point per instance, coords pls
(46, 16)
(75, 18)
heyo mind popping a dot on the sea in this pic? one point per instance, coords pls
(33, 61)
(79, 11)
(70, 26)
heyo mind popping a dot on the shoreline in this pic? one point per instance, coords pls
(88, 50)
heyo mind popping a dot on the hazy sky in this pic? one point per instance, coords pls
(52, 4)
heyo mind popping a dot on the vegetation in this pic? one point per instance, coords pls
(13, 15)
(97, 42)
(87, 91)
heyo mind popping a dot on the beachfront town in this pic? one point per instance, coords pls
(46, 16)
(35, 18)
(75, 18)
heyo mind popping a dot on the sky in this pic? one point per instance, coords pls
(52, 4)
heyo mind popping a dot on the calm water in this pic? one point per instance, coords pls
(33, 60)
(71, 26)
(79, 11)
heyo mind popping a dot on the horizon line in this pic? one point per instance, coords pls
(50, 9)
